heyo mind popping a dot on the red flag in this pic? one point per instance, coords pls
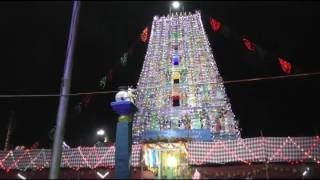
(109, 75)
(249, 45)
(144, 35)
(215, 25)
(87, 100)
(285, 66)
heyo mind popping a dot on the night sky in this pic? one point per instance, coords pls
(33, 40)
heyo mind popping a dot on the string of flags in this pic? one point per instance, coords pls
(216, 26)
(249, 45)
(124, 58)
(109, 75)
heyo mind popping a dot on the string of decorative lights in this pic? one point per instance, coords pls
(306, 153)
(228, 151)
(248, 149)
(211, 150)
(275, 154)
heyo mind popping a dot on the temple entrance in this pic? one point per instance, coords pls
(166, 160)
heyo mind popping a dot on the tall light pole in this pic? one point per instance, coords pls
(64, 98)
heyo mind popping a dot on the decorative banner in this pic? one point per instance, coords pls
(249, 45)
(286, 66)
(144, 34)
(124, 59)
(215, 25)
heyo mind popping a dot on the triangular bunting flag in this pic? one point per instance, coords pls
(103, 82)
(249, 45)
(87, 99)
(109, 75)
(124, 59)
(286, 66)
(215, 25)
(144, 34)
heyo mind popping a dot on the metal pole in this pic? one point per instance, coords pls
(9, 131)
(64, 98)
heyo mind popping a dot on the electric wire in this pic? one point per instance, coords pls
(114, 91)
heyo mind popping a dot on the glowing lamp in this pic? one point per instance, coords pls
(122, 96)
(172, 162)
(175, 4)
(100, 132)
(175, 59)
(20, 176)
(304, 173)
